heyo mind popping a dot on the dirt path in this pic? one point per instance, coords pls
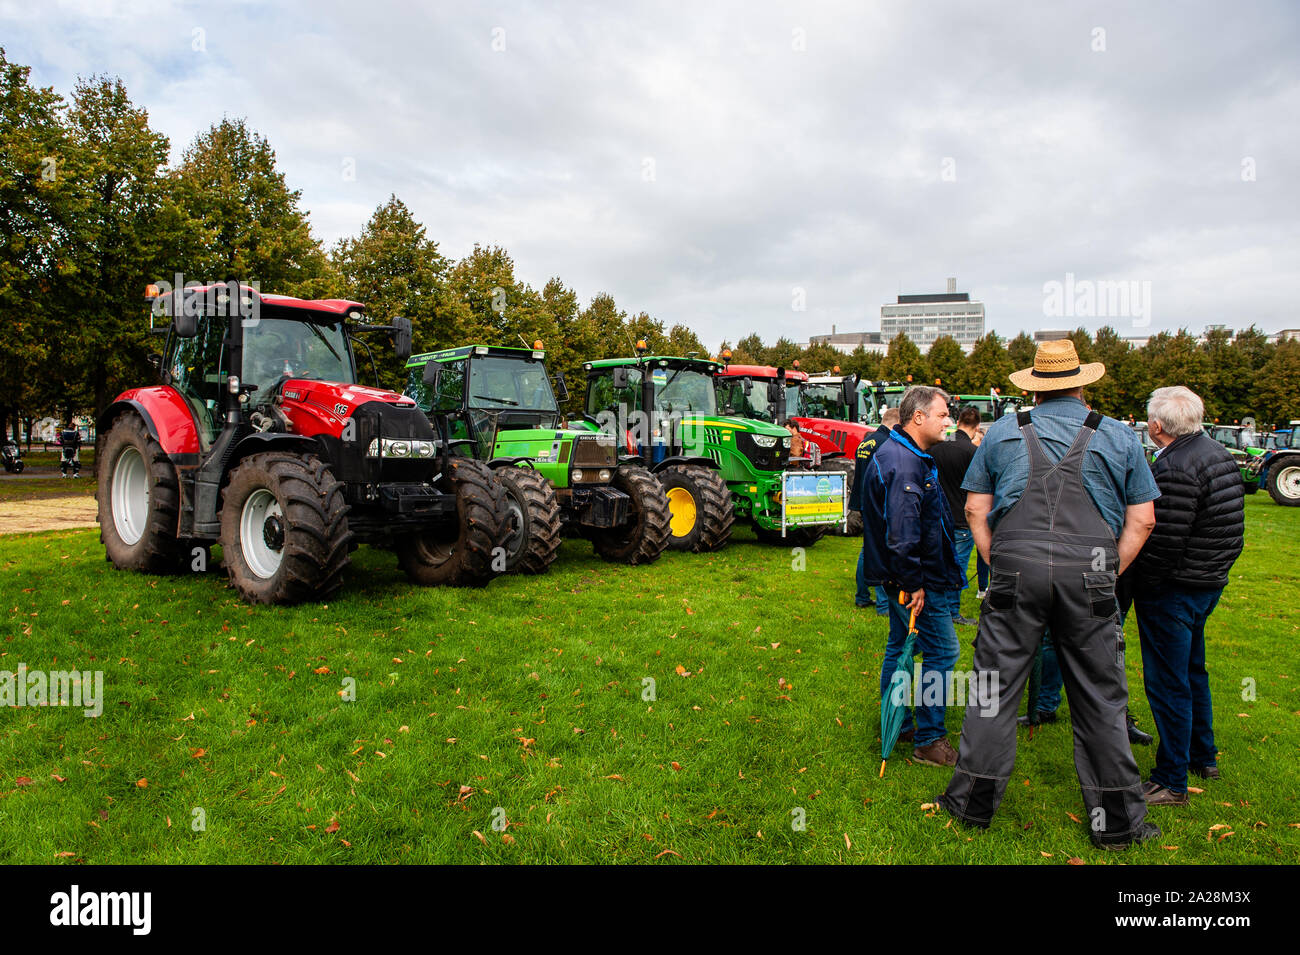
(49, 514)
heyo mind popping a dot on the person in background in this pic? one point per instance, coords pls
(868, 446)
(1179, 577)
(1060, 501)
(952, 458)
(907, 545)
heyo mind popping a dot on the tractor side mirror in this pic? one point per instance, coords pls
(621, 378)
(773, 390)
(849, 392)
(155, 360)
(402, 338)
(746, 387)
(432, 373)
(561, 387)
(187, 326)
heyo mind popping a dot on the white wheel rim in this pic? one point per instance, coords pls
(255, 527)
(130, 496)
(1288, 482)
(514, 542)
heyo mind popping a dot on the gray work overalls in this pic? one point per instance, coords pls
(1054, 562)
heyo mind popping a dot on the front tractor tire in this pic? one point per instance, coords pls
(534, 539)
(137, 499)
(284, 529)
(647, 531)
(701, 512)
(471, 550)
(1284, 482)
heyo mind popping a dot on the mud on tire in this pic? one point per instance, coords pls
(284, 529)
(700, 507)
(137, 499)
(533, 542)
(462, 554)
(643, 538)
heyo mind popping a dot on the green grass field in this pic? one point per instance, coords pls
(522, 705)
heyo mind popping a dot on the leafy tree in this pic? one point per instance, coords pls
(1111, 396)
(1021, 351)
(903, 359)
(239, 218)
(36, 216)
(1173, 360)
(1277, 394)
(946, 362)
(749, 350)
(865, 364)
(987, 367)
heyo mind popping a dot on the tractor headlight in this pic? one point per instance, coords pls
(765, 441)
(785, 442)
(604, 474)
(577, 475)
(401, 448)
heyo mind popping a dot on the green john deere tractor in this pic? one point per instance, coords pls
(499, 407)
(663, 411)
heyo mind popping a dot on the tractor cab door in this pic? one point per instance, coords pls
(198, 368)
(617, 403)
(449, 399)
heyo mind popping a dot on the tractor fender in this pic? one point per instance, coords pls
(165, 414)
(510, 462)
(260, 442)
(680, 459)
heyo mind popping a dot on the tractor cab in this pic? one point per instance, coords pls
(649, 403)
(759, 392)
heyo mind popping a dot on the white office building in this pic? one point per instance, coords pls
(924, 318)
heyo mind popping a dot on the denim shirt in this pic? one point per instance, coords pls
(1115, 470)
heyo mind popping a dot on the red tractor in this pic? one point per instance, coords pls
(258, 438)
(787, 396)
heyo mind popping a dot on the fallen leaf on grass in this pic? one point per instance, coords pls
(465, 793)
(616, 776)
(668, 852)
(929, 805)
(142, 783)
(64, 855)
(1170, 848)
(1074, 818)
(321, 671)
(1193, 789)
(333, 827)
(1075, 860)
(677, 767)
(1045, 855)
(198, 753)
(57, 778)
(479, 836)
(23, 781)
(507, 838)
(847, 844)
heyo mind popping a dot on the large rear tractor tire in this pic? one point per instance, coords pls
(1284, 482)
(284, 529)
(699, 503)
(794, 536)
(534, 539)
(471, 550)
(137, 500)
(647, 532)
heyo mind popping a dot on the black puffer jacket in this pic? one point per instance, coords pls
(1200, 516)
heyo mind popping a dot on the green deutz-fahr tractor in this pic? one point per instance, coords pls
(663, 410)
(499, 407)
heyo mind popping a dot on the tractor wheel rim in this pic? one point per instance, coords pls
(261, 533)
(515, 542)
(1288, 482)
(681, 504)
(130, 496)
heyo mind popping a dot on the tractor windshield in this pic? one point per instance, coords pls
(683, 391)
(731, 394)
(497, 384)
(824, 401)
(277, 348)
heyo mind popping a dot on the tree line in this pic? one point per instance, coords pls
(90, 212)
(1237, 375)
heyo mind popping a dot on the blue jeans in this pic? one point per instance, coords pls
(1171, 626)
(863, 597)
(982, 571)
(1049, 691)
(936, 642)
(963, 542)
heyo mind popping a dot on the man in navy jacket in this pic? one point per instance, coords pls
(908, 544)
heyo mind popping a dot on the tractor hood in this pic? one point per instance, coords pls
(321, 407)
(745, 425)
(557, 445)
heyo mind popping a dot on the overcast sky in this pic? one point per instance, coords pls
(705, 162)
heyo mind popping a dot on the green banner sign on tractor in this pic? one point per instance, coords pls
(812, 498)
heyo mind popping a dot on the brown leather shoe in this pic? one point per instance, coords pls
(938, 753)
(1157, 795)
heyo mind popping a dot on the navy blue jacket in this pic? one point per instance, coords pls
(906, 526)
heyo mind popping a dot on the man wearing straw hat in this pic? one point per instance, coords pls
(1059, 503)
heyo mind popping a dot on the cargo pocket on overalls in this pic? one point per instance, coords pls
(1002, 590)
(1100, 590)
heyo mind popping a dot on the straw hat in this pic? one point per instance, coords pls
(1057, 368)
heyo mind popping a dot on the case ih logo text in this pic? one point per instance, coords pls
(102, 908)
